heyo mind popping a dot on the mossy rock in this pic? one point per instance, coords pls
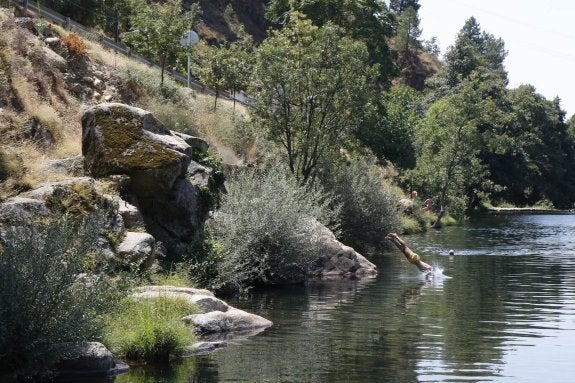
(120, 139)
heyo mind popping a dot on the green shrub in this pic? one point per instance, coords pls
(448, 220)
(149, 329)
(369, 207)
(46, 298)
(202, 258)
(410, 226)
(417, 219)
(267, 228)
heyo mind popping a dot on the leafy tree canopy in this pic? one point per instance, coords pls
(368, 21)
(473, 49)
(399, 6)
(157, 29)
(312, 88)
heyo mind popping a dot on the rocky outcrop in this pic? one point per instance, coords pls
(339, 260)
(78, 198)
(120, 139)
(163, 180)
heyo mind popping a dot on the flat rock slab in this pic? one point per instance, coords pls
(229, 321)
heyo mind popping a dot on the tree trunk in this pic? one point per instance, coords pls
(162, 65)
(437, 223)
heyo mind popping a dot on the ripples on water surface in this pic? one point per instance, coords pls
(506, 314)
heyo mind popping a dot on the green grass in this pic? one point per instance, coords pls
(149, 329)
(410, 226)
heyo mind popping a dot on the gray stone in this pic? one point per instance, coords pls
(86, 360)
(203, 299)
(174, 289)
(99, 84)
(55, 59)
(339, 260)
(73, 166)
(137, 248)
(229, 321)
(130, 214)
(208, 303)
(199, 175)
(195, 142)
(119, 139)
(201, 348)
(52, 40)
(18, 211)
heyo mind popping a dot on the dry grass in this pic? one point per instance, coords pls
(37, 97)
(41, 94)
(226, 129)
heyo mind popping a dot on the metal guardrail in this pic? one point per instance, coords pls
(47, 13)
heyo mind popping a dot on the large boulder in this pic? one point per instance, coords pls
(229, 321)
(137, 248)
(203, 299)
(121, 139)
(339, 260)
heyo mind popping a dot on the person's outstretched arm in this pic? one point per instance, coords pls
(411, 256)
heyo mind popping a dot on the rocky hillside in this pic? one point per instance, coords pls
(223, 20)
(75, 142)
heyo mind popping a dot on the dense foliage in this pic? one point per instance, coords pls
(49, 293)
(157, 29)
(369, 208)
(312, 89)
(366, 21)
(268, 228)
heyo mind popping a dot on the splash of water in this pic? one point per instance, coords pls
(436, 275)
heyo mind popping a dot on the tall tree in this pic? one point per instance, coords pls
(408, 31)
(534, 166)
(312, 87)
(229, 68)
(399, 6)
(448, 146)
(88, 12)
(473, 49)
(389, 129)
(158, 28)
(368, 21)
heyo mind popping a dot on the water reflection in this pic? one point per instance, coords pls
(506, 314)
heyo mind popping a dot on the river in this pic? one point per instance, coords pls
(504, 313)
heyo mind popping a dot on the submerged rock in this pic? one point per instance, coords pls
(88, 360)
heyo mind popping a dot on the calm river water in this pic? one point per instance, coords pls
(505, 314)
